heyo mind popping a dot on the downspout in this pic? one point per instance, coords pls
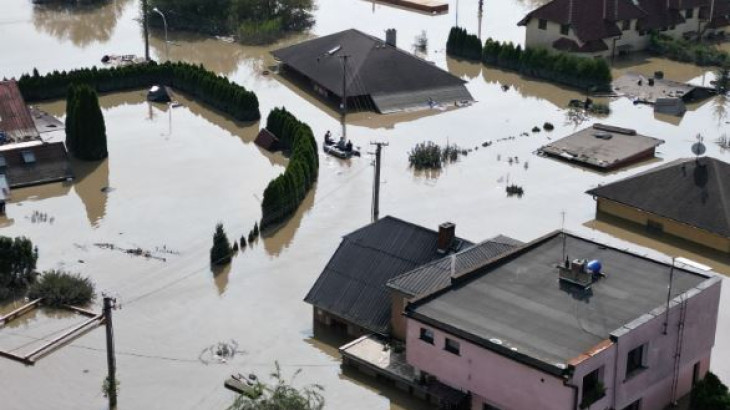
(575, 393)
(615, 373)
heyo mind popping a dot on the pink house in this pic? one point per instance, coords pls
(567, 323)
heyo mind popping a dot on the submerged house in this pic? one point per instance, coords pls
(687, 198)
(603, 147)
(369, 74)
(607, 28)
(378, 268)
(542, 328)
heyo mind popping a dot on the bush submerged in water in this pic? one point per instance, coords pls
(58, 288)
(428, 155)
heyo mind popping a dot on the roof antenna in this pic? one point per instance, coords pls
(669, 296)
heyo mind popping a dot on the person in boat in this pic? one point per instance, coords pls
(348, 147)
(328, 137)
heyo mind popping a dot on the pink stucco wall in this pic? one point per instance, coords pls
(507, 384)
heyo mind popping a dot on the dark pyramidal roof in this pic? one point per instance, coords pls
(373, 66)
(691, 191)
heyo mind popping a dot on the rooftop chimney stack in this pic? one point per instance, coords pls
(390, 37)
(447, 234)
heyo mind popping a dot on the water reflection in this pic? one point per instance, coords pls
(529, 87)
(82, 25)
(463, 68)
(92, 187)
(280, 237)
(220, 277)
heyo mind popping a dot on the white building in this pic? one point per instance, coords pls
(606, 28)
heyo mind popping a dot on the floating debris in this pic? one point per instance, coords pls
(220, 352)
(132, 251)
(513, 190)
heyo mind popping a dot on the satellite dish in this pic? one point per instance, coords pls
(698, 148)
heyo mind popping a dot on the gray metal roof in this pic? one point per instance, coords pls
(516, 306)
(437, 274)
(353, 284)
(691, 191)
(424, 99)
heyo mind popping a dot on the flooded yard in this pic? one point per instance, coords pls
(173, 173)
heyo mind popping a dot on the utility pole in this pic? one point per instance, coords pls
(480, 14)
(344, 58)
(146, 31)
(376, 183)
(109, 304)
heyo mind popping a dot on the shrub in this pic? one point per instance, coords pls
(220, 252)
(428, 155)
(710, 394)
(280, 395)
(58, 288)
(284, 193)
(687, 51)
(214, 90)
(18, 260)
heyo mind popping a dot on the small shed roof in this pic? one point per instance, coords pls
(601, 146)
(267, 140)
(33, 164)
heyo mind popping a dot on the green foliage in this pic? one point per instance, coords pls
(252, 21)
(428, 155)
(710, 394)
(464, 45)
(586, 73)
(284, 193)
(106, 387)
(220, 252)
(59, 288)
(214, 90)
(18, 259)
(85, 128)
(280, 395)
(683, 50)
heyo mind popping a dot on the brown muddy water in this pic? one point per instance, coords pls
(173, 173)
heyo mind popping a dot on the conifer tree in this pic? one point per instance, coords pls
(220, 253)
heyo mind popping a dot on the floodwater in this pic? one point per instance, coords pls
(174, 173)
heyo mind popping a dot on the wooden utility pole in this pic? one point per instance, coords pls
(376, 183)
(145, 27)
(111, 361)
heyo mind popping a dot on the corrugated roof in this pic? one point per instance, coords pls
(15, 119)
(373, 68)
(414, 100)
(517, 307)
(437, 274)
(353, 284)
(691, 191)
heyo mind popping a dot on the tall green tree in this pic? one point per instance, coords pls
(710, 394)
(85, 124)
(18, 260)
(221, 252)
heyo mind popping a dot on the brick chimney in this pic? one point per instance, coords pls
(447, 234)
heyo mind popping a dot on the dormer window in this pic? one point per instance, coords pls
(565, 29)
(542, 24)
(626, 25)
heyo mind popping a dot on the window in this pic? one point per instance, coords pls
(426, 335)
(689, 13)
(633, 406)
(695, 373)
(451, 346)
(3, 162)
(28, 157)
(565, 29)
(626, 25)
(542, 24)
(636, 361)
(593, 389)
(489, 407)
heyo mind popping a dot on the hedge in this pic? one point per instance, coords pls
(687, 51)
(585, 73)
(286, 192)
(208, 87)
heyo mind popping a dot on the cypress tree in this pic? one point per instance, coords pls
(70, 118)
(220, 253)
(89, 130)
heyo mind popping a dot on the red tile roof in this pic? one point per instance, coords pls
(15, 119)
